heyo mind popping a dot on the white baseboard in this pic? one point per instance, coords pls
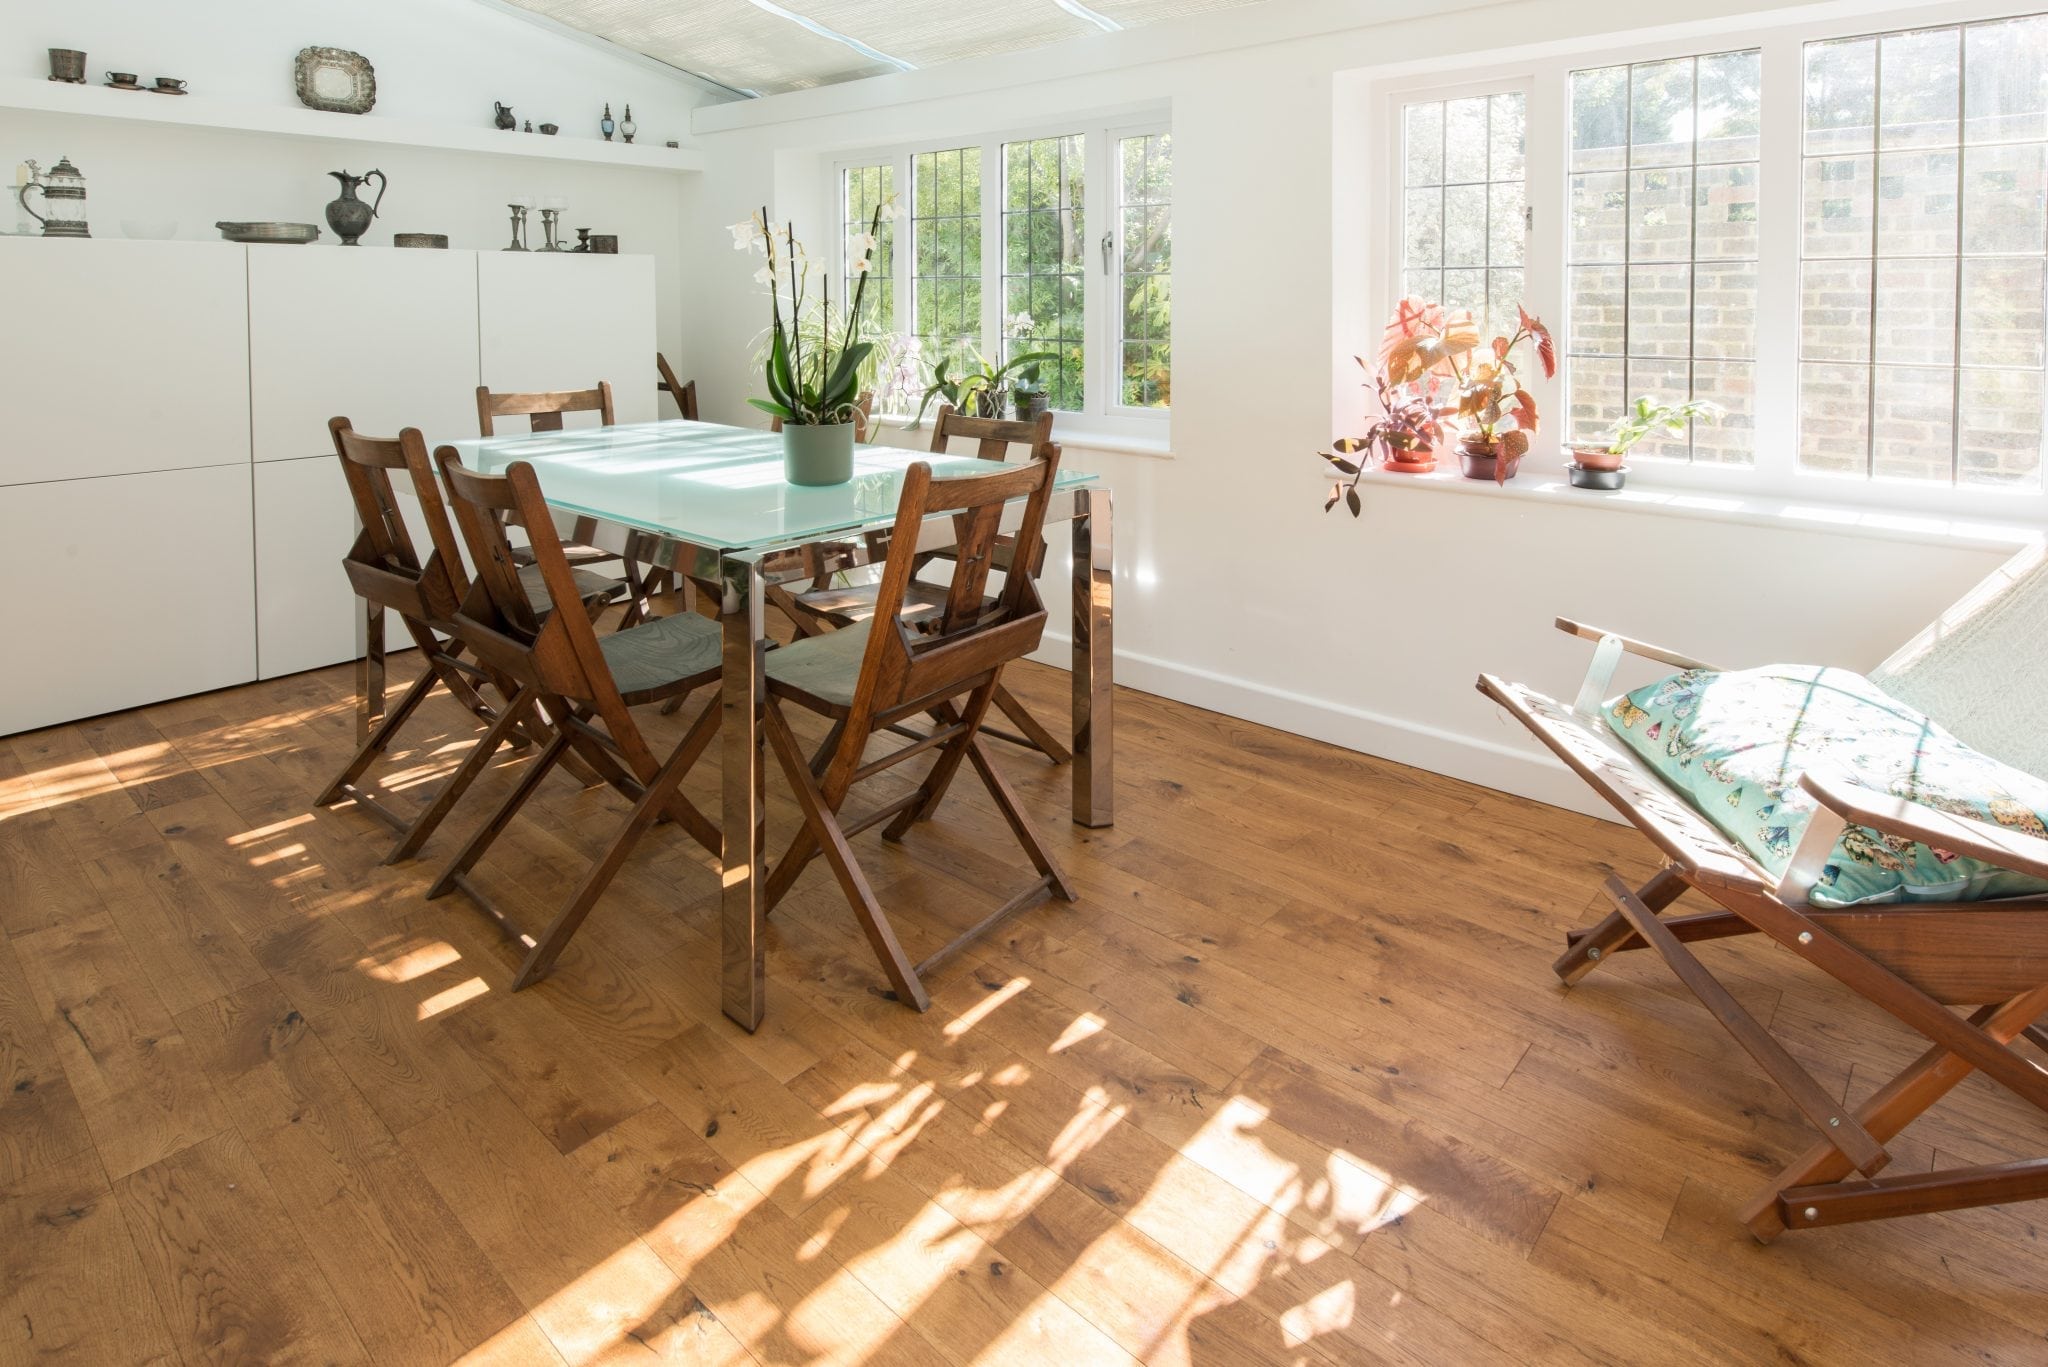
(1502, 765)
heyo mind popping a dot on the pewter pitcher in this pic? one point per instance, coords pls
(349, 216)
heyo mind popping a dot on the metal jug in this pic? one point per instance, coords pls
(63, 192)
(349, 216)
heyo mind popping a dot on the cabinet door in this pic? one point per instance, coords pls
(119, 357)
(384, 338)
(306, 613)
(125, 590)
(565, 321)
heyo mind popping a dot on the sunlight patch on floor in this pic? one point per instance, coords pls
(1085, 1024)
(449, 998)
(408, 960)
(982, 1009)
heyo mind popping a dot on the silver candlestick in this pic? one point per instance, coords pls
(550, 220)
(518, 228)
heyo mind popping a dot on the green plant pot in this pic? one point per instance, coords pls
(817, 455)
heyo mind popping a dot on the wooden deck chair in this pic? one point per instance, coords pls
(993, 439)
(1915, 960)
(587, 685)
(685, 392)
(543, 412)
(385, 568)
(889, 667)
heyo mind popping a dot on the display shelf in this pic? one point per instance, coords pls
(200, 111)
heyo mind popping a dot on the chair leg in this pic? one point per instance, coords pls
(370, 672)
(1040, 738)
(366, 754)
(487, 833)
(1020, 823)
(1587, 947)
(820, 818)
(555, 938)
(1891, 1108)
(940, 776)
(458, 783)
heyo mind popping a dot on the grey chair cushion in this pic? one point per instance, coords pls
(588, 585)
(660, 653)
(826, 667)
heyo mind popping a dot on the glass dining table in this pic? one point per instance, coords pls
(710, 503)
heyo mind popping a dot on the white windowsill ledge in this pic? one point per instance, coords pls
(1069, 438)
(1801, 513)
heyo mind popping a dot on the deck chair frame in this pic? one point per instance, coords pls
(1913, 960)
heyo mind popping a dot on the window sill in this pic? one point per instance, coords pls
(1069, 437)
(1803, 514)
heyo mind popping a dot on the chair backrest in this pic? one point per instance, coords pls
(685, 391)
(863, 416)
(496, 619)
(1977, 670)
(384, 565)
(543, 411)
(972, 633)
(992, 437)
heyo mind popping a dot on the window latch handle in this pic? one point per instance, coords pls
(1108, 246)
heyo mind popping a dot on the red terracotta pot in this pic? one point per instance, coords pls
(1416, 461)
(1597, 458)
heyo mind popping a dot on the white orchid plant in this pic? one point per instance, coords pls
(809, 384)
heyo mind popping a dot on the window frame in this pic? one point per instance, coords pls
(1546, 77)
(1102, 339)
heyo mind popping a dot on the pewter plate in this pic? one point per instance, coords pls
(335, 79)
(292, 234)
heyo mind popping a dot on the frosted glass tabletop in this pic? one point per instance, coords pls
(710, 485)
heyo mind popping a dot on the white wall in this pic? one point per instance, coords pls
(436, 60)
(1235, 590)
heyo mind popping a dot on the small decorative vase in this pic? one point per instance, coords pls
(1479, 459)
(605, 125)
(818, 454)
(627, 128)
(503, 118)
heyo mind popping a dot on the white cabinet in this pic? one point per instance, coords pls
(383, 337)
(123, 591)
(306, 613)
(119, 357)
(566, 321)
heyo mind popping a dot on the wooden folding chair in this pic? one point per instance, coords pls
(586, 684)
(825, 606)
(867, 677)
(1915, 960)
(386, 571)
(685, 392)
(543, 412)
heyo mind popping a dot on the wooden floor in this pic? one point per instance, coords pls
(1290, 1084)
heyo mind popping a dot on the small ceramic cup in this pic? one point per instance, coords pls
(169, 83)
(121, 77)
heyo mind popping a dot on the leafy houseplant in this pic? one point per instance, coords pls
(979, 387)
(1494, 413)
(1028, 396)
(810, 389)
(1643, 418)
(1404, 437)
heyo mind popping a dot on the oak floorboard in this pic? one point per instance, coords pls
(1291, 1082)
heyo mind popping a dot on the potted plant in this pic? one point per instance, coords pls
(811, 389)
(1028, 396)
(1598, 465)
(1404, 437)
(979, 387)
(1494, 413)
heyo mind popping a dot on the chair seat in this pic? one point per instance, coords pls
(658, 657)
(588, 586)
(822, 671)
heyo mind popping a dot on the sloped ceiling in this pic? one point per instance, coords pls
(766, 47)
